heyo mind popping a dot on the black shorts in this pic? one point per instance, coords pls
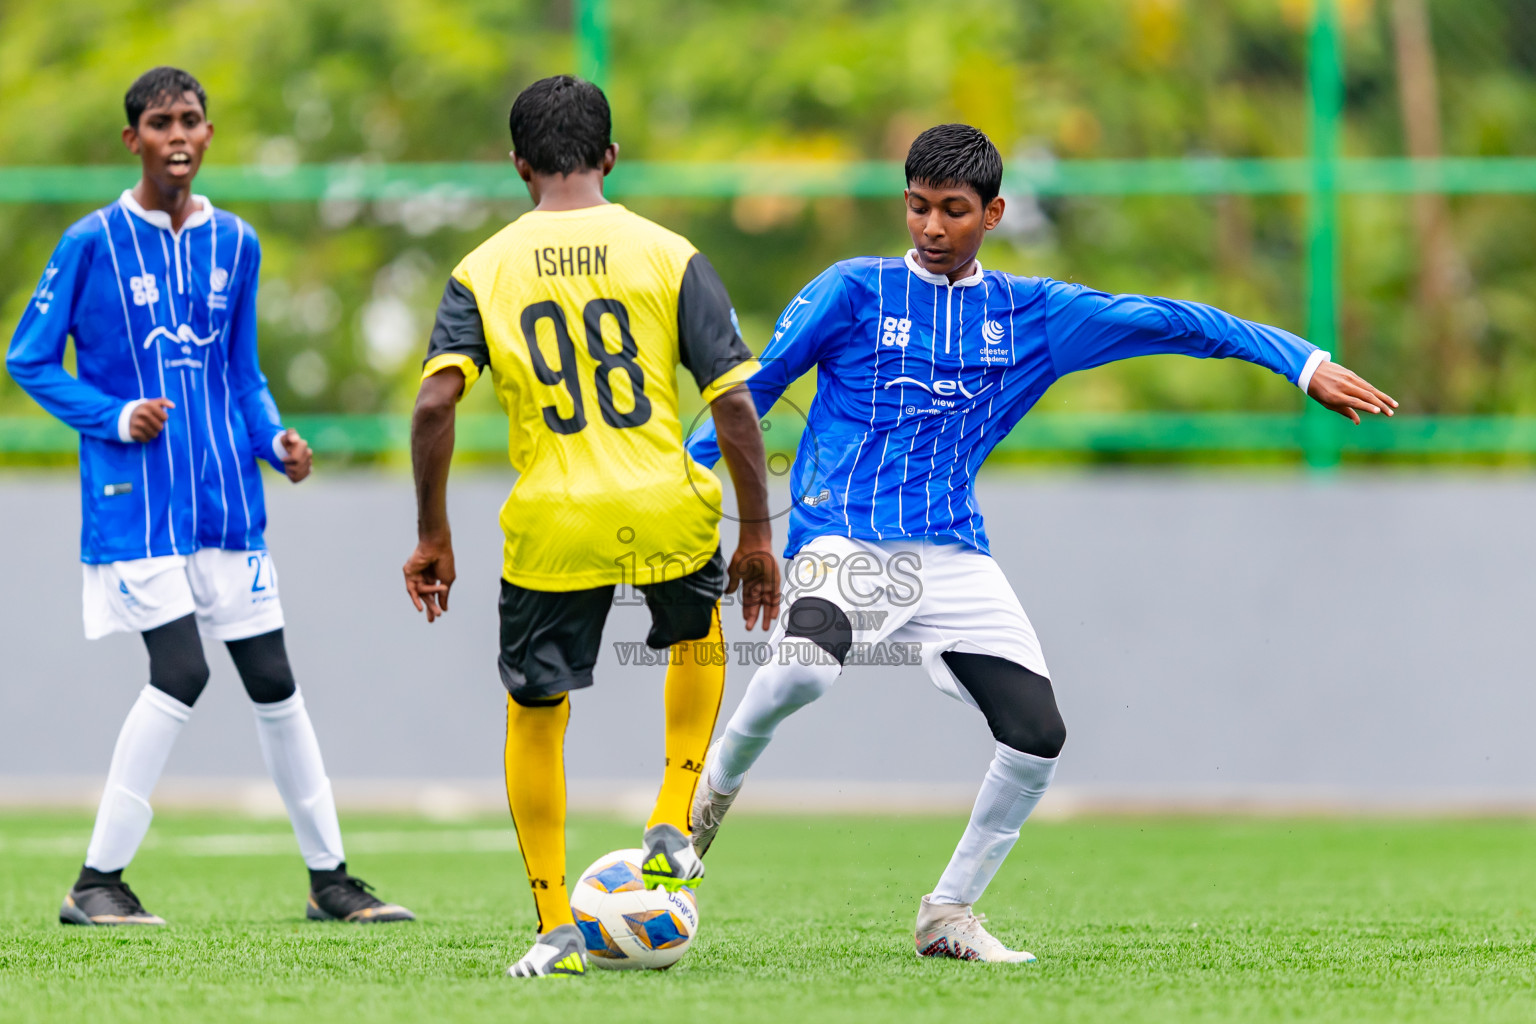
(550, 639)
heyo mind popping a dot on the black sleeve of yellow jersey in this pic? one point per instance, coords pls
(458, 329)
(709, 342)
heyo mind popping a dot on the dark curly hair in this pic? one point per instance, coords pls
(956, 154)
(158, 84)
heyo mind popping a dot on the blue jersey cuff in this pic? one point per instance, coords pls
(1316, 359)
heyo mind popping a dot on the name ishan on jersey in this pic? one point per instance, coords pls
(570, 260)
(581, 409)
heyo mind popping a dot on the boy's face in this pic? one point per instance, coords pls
(947, 224)
(170, 140)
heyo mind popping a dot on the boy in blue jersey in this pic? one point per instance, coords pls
(158, 290)
(923, 364)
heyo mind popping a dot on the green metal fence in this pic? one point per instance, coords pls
(863, 179)
(1321, 177)
(1090, 433)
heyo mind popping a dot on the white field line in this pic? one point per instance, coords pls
(272, 844)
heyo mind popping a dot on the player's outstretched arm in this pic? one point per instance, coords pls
(1087, 328)
(1342, 390)
(429, 572)
(753, 567)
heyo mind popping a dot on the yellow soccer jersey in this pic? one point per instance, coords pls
(583, 317)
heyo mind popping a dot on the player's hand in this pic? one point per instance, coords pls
(755, 569)
(300, 460)
(148, 419)
(429, 574)
(1340, 389)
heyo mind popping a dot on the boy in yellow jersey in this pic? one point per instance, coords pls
(583, 311)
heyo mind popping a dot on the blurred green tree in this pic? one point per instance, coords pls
(349, 288)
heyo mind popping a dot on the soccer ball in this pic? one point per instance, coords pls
(627, 926)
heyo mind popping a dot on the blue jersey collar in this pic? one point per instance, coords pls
(938, 279)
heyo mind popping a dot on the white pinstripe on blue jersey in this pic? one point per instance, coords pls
(957, 395)
(151, 347)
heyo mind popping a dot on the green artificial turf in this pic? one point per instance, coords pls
(806, 920)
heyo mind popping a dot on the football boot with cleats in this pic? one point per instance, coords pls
(670, 861)
(559, 952)
(709, 807)
(105, 903)
(951, 930)
(341, 897)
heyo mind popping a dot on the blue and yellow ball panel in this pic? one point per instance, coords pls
(656, 929)
(616, 877)
(599, 942)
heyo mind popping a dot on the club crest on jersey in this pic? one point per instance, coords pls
(994, 349)
(145, 291)
(217, 282)
(895, 331)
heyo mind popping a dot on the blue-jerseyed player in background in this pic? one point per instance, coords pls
(159, 291)
(924, 364)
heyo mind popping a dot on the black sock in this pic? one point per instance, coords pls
(320, 879)
(91, 877)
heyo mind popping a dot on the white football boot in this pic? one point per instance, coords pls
(951, 930)
(709, 806)
(561, 951)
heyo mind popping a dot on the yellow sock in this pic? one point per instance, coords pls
(695, 686)
(535, 761)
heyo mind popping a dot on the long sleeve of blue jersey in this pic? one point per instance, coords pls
(246, 381)
(819, 313)
(1086, 328)
(35, 359)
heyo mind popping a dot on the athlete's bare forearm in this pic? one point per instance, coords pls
(432, 436)
(753, 564)
(741, 445)
(430, 572)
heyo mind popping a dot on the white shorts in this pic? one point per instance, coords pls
(930, 597)
(233, 593)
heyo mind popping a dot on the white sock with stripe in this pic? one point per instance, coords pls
(143, 745)
(293, 758)
(1014, 784)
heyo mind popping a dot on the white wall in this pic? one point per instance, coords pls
(1260, 637)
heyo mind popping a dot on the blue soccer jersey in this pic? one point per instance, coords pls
(918, 379)
(156, 314)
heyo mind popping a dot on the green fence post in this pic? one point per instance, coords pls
(1325, 86)
(592, 40)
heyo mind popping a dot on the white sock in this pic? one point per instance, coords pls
(293, 758)
(777, 690)
(148, 733)
(1014, 784)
